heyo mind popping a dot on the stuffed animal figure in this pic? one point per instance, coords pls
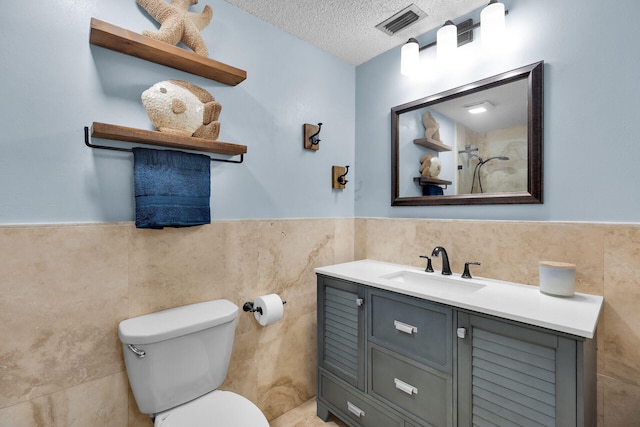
(430, 166)
(431, 126)
(177, 24)
(181, 108)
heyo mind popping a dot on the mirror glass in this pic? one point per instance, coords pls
(477, 144)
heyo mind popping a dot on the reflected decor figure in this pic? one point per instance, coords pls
(430, 166)
(431, 126)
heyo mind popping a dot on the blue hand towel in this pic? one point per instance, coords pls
(172, 188)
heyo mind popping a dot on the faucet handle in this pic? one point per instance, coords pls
(429, 268)
(466, 274)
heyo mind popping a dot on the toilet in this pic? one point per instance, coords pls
(177, 358)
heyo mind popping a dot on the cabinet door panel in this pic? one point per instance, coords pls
(508, 375)
(341, 330)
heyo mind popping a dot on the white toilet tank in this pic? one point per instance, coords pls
(185, 353)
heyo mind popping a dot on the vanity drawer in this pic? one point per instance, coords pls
(425, 394)
(357, 408)
(418, 329)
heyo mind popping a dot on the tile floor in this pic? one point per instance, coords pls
(305, 416)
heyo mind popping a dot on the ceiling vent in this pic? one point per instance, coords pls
(401, 20)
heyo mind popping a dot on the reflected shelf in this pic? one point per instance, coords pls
(432, 144)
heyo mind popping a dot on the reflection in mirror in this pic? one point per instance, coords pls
(478, 144)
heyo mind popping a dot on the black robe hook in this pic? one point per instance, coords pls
(314, 139)
(341, 178)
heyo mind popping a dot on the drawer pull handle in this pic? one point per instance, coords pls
(403, 327)
(407, 388)
(355, 410)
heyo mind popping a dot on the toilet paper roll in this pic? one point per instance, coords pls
(272, 309)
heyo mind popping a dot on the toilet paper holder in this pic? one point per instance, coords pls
(248, 306)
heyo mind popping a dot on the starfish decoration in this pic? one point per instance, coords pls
(177, 24)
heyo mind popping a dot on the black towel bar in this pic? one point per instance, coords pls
(129, 150)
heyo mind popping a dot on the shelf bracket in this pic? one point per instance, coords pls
(88, 143)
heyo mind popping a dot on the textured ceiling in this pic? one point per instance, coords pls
(346, 28)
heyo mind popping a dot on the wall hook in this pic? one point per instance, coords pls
(315, 139)
(338, 176)
(311, 138)
(341, 178)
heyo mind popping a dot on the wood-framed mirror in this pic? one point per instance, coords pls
(443, 152)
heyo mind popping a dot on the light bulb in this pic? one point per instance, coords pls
(447, 41)
(492, 24)
(409, 57)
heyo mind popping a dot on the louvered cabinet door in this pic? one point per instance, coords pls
(341, 340)
(511, 375)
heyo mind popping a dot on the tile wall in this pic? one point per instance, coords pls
(65, 288)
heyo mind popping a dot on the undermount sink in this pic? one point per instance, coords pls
(434, 282)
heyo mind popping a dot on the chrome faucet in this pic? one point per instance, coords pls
(440, 251)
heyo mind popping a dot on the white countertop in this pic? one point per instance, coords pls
(577, 315)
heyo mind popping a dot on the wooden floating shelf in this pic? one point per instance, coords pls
(432, 144)
(130, 43)
(429, 180)
(123, 133)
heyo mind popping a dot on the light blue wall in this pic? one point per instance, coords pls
(592, 148)
(54, 83)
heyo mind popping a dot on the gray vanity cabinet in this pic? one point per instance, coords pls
(511, 374)
(391, 360)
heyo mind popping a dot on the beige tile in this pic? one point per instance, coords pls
(287, 365)
(174, 267)
(101, 402)
(64, 291)
(621, 403)
(622, 299)
(344, 240)
(360, 239)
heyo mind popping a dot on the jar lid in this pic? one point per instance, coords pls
(556, 264)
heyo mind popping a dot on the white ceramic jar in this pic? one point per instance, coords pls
(557, 278)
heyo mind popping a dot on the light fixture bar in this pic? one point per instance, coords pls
(465, 33)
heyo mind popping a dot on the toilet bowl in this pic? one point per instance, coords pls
(218, 408)
(177, 358)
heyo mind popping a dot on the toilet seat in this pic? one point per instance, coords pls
(218, 408)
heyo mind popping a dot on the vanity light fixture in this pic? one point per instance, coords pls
(481, 107)
(409, 57)
(446, 41)
(492, 28)
(492, 23)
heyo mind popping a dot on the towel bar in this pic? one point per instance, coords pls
(128, 150)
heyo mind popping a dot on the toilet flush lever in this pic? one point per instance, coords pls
(137, 351)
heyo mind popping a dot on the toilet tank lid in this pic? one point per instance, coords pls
(178, 321)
